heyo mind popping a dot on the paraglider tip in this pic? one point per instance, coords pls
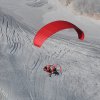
(82, 37)
(36, 45)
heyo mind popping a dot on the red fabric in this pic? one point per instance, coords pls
(48, 30)
(50, 68)
(53, 68)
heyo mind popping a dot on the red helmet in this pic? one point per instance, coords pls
(45, 68)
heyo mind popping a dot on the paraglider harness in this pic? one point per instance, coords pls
(51, 69)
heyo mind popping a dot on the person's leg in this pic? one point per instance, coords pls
(55, 72)
(50, 74)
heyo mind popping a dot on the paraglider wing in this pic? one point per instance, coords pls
(53, 27)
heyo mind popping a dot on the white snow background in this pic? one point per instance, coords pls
(21, 63)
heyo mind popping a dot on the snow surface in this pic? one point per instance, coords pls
(21, 63)
(89, 8)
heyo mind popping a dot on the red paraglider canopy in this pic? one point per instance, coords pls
(53, 27)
